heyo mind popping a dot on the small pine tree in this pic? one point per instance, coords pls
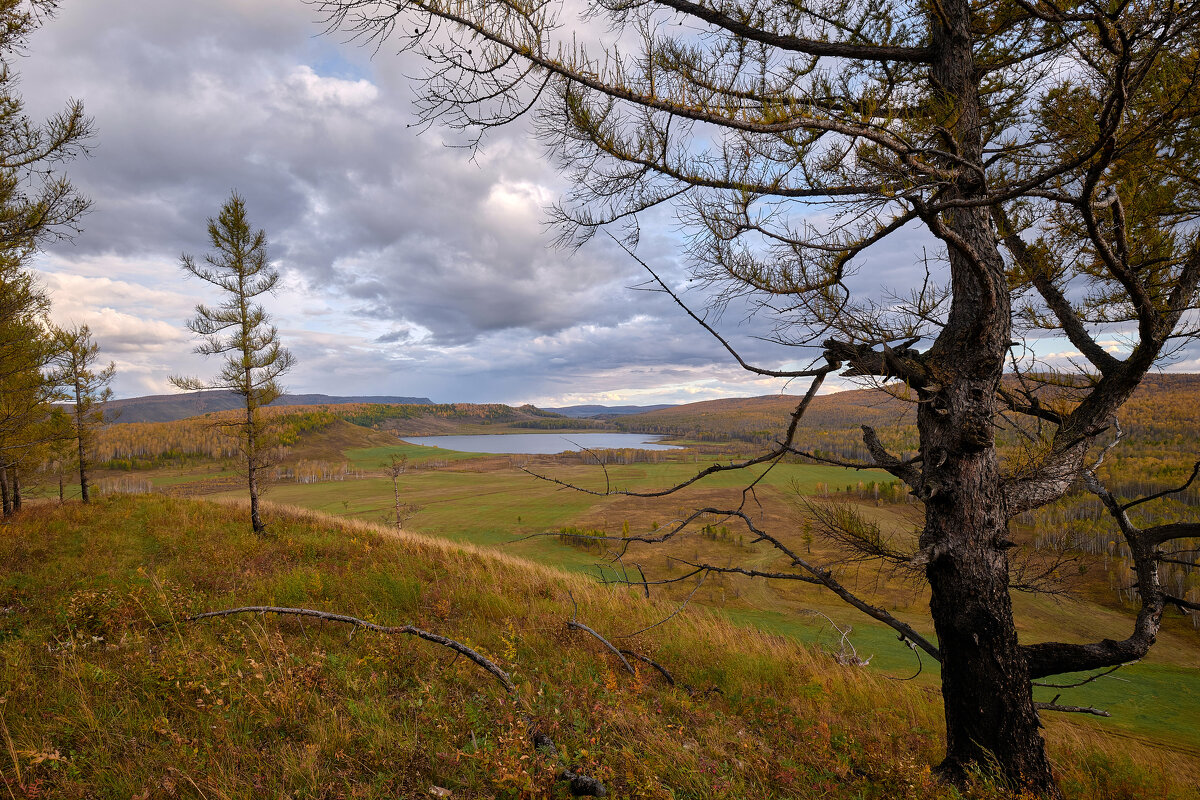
(240, 330)
(77, 354)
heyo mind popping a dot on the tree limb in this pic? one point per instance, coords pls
(487, 664)
(1099, 712)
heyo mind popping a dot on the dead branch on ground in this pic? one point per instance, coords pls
(580, 785)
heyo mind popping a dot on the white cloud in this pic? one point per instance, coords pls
(330, 92)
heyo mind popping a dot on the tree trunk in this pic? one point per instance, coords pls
(14, 480)
(4, 491)
(986, 691)
(252, 458)
(83, 476)
(396, 496)
(255, 521)
(991, 722)
(80, 436)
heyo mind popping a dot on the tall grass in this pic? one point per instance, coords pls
(105, 690)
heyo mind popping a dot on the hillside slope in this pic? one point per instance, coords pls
(1164, 413)
(143, 444)
(171, 407)
(586, 411)
(107, 691)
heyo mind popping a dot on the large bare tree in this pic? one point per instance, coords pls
(1048, 151)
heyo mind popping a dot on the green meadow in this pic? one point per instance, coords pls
(486, 501)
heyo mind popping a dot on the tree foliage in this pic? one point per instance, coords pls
(239, 330)
(88, 386)
(1044, 156)
(36, 205)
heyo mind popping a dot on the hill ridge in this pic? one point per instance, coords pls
(172, 407)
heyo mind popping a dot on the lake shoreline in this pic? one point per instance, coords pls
(538, 443)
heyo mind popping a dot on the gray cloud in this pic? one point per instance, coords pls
(410, 268)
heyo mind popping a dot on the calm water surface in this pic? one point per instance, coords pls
(541, 443)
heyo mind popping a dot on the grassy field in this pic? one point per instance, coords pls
(487, 501)
(374, 458)
(483, 500)
(107, 691)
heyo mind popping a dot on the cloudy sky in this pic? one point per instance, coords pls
(408, 267)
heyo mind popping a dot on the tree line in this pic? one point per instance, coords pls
(41, 364)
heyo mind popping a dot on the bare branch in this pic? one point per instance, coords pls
(577, 625)
(871, 52)
(772, 456)
(920, 663)
(1085, 681)
(811, 373)
(1181, 604)
(904, 470)
(1099, 712)
(458, 647)
(670, 616)
(646, 660)
(1165, 492)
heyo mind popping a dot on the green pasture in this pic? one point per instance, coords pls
(490, 509)
(498, 508)
(1150, 701)
(1153, 701)
(370, 458)
(638, 476)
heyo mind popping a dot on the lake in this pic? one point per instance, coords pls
(541, 443)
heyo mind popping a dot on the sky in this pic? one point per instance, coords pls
(409, 266)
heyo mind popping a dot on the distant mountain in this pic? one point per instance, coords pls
(1163, 413)
(582, 412)
(170, 407)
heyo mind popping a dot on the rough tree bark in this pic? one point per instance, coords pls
(8, 510)
(14, 487)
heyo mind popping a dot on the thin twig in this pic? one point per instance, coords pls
(1083, 682)
(672, 615)
(1164, 492)
(920, 664)
(808, 373)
